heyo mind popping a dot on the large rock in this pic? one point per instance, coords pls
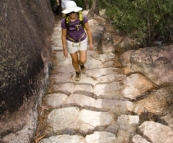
(139, 139)
(127, 43)
(136, 85)
(97, 33)
(107, 43)
(25, 27)
(156, 102)
(156, 132)
(156, 63)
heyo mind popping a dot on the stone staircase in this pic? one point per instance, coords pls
(92, 110)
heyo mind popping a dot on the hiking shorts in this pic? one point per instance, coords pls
(73, 47)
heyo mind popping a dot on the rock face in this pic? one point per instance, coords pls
(24, 30)
(25, 27)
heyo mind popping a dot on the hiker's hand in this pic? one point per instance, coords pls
(65, 53)
(91, 47)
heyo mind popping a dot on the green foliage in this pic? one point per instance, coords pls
(81, 3)
(148, 19)
(53, 3)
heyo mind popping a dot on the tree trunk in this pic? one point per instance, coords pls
(94, 9)
(86, 4)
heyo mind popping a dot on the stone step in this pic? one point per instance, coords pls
(130, 87)
(108, 90)
(96, 137)
(96, 73)
(93, 77)
(70, 88)
(72, 120)
(115, 106)
(64, 139)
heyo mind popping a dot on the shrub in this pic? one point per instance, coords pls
(148, 20)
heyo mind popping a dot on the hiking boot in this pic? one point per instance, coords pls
(77, 76)
(82, 68)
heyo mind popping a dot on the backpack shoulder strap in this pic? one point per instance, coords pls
(81, 18)
(67, 21)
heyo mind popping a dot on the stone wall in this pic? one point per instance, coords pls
(25, 26)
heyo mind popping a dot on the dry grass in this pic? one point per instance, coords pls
(43, 112)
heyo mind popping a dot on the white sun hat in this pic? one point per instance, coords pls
(70, 6)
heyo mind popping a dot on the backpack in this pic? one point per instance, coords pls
(67, 20)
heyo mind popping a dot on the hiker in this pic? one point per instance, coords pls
(74, 38)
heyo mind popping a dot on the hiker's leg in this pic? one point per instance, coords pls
(83, 56)
(83, 51)
(75, 60)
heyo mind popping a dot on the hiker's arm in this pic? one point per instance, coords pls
(63, 38)
(87, 27)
